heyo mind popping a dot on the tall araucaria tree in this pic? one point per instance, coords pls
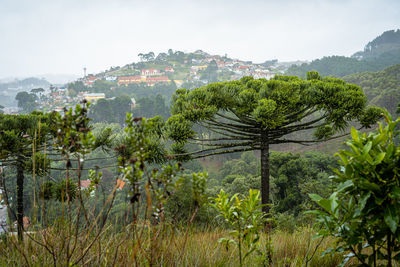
(250, 114)
(21, 137)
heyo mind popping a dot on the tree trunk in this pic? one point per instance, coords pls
(265, 173)
(20, 197)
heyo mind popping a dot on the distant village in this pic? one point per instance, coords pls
(151, 71)
(151, 76)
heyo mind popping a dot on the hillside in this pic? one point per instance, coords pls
(192, 69)
(164, 73)
(382, 46)
(381, 52)
(8, 90)
(382, 87)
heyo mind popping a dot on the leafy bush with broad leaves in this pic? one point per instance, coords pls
(363, 212)
(245, 217)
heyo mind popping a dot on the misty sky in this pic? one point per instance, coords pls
(54, 36)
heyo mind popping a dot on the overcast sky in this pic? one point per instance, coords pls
(61, 37)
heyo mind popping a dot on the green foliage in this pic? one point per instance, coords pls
(179, 129)
(386, 42)
(58, 190)
(144, 138)
(210, 73)
(111, 110)
(47, 190)
(151, 106)
(63, 191)
(38, 163)
(382, 88)
(245, 217)
(295, 176)
(251, 114)
(191, 197)
(73, 133)
(378, 54)
(364, 209)
(140, 147)
(76, 87)
(142, 90)
(20, 137)
(26, 101)
(333, 66)
(17, 132)
(269, 105)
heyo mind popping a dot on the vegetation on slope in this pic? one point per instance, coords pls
(382, 88)
(382, 52)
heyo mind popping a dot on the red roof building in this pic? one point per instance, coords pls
(209, 59)
(153, 80)
(90, 80)
(125, 80)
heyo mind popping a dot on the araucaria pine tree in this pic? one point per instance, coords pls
(250, 114)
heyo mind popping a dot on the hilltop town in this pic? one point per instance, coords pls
(161, 74)
(180, 67)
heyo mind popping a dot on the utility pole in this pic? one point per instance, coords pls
(84, 72)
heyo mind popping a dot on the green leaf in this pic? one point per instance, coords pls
(367, 147)
(395, 193)
(363, 201)
(348, 170)
(343, 158)
(315, 197)
(390, 149)
(326, 204)
(345, 185)
(365, 184)
(315, 212)
(354, 134)
(391, 217)
(379, 158)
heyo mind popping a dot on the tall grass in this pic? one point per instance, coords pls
(136, 246)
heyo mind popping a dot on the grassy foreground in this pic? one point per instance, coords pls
(161, 247)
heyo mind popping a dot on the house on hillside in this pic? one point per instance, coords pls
(125, 80)
(89, 81)
(111, 78)
(209, 59)
(94, 96)
(154, 80)
(169, 69)
(150, 72)
(199, 67)
(221, 64)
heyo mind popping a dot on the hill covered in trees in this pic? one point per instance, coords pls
(384, 45)
(381, 52)
(382, 88)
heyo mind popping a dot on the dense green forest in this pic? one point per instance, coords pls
(382, 88)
